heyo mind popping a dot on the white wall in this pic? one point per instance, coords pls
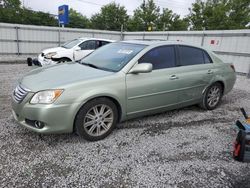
(231, 45)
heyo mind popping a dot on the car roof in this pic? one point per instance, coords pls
(154, 42)
(85, 38)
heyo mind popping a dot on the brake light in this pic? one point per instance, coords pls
(232, 66)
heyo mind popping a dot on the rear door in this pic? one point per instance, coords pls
(195, 72)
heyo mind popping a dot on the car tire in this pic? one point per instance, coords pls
(63, 60)
(212, 96)
(96, 119)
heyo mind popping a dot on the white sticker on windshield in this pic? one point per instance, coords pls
(122, 51)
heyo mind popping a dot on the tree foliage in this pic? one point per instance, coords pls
(77, 20)
(146, 16)
(15, 4)
(219, 14)
(204, 15)
(111, 17)
(12, 12)
(170, 21)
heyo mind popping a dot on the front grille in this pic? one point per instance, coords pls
(20, 93)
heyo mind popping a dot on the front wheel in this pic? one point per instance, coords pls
(212, 96)
(63, 60)
(96, 119)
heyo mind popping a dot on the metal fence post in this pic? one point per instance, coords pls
(59, 37)
(121, 36)
(17, 41)
(248, 74)
(202, 39)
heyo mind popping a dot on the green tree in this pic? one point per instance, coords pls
(239, 14)
(196, 16)
(171, 22)
(219, 14)
(11, 12)
(77, 20)
(15, 4)
(31, 17)
(111, 17)
(145, 16)
(216, 15)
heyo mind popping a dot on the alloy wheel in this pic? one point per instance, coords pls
(213, 96)
(98, 120)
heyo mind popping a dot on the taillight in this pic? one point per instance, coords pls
(232, 66)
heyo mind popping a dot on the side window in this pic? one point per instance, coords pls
(190, 56)
(207, 58)
(100, 43)
(88, 45)
(160, 57)
(104, 42)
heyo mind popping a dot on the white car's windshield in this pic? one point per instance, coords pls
(71, 44)
(113, 56)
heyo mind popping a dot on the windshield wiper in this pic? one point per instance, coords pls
(96, 67)
(90, 65)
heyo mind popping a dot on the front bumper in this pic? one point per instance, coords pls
(57, 118)
(44, 62)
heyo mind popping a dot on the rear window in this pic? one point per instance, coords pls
(207, 58)
(193, 56)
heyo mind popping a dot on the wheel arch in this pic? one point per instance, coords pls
(222, 83)
(113, 99)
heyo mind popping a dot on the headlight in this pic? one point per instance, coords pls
(46, 97)
(50, 55)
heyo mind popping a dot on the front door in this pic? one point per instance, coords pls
(154, 90)
(86, 48)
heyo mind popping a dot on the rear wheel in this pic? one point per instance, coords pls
(96, 119)
(212, 96)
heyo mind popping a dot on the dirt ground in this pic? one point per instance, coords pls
(188, 147)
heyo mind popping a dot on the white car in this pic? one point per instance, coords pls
(70, 51)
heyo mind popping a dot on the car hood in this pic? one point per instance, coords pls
(57, 76)
(57, 49)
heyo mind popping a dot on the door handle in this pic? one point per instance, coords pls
(210, 72)
(173, 77)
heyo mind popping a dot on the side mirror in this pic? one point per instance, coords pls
(77, 48)
(141, 68)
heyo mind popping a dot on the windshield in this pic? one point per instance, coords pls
(113, 56)
(71, 44)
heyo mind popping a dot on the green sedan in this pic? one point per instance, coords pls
(117, 82)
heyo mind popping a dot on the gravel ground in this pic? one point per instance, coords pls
(181, 148)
